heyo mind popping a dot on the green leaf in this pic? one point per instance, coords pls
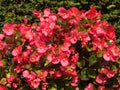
(110, 6)
(26, 87)
(84, 74)
(62, 22)
(70, 3)
(38, 88)
(46, 63)
(81, 63)
(114, 67)
(92, 60)
(89, 49)
(14, 73)
(4, 61)
(52, 86)
(99, 54)
(91, 73)
(118, 61)
(8, 85)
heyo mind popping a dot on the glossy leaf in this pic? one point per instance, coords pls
(92, 60)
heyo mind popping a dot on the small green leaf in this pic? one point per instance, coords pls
(114, 67)
(79, 29)
(89, 49)
(4, 61)
(46, 63)
(84, 74)
(81, 63)
(37, 71)
(52, 86)
(91, 73)
(14, 73)
(8, 85)
(38, 88)
(99, 54)
(92, 60)
(62, 22)
(67, 78)
(118, 61)
(110, 6)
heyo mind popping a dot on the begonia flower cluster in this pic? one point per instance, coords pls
(57, 52)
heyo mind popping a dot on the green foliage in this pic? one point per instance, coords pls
(16, 10)
(84, 74)
(92, 60)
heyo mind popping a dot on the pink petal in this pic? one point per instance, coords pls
(46, 12)
(41, 50)
(1, 36)
(106, 56)
(55, 61)
(26, 73)
(64, 62)
(17, 51)
(37, 13)
(110, 74)
(50, 58)
(89, 87)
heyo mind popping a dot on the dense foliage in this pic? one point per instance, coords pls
(69, 50)
(15, 10)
